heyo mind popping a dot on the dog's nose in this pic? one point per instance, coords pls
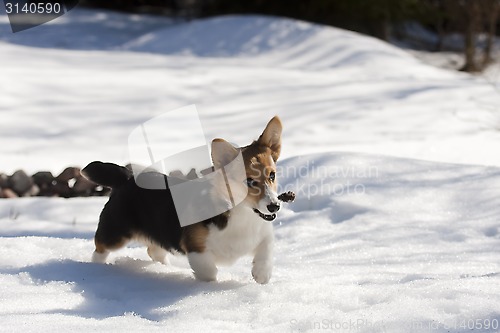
(273, 207)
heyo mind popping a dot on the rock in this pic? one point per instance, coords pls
(45, 182)
(7, 193)
(83, 187)
(4, 180)
(43, 179)
(62, 189)
(70, 183)
(192, 174)
(207, 171)
(137, 168)
(20, 182)
(177, 174)
(68, 174)
(33, 191)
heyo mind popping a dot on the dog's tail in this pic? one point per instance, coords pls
(106, 174)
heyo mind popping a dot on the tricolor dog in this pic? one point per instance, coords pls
(136, 213)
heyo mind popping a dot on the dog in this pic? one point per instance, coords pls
(149, 215)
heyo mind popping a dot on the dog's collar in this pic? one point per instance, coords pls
(269, 217)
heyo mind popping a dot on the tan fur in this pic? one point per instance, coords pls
(271, 137)
(194, 237)
(102, 248)
(222, 152)
(259, 164)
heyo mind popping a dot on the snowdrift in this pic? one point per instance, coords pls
(334, 90)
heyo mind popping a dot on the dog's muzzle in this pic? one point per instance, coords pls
(285, 197)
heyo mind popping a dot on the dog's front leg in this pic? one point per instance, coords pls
(203, 265)
(263, 261)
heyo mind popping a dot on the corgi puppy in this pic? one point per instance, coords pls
(149, 215)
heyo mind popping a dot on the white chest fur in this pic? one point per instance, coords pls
(245, 230)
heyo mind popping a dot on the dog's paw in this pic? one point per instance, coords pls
(205, 276)
(262, 272)
(99, 257)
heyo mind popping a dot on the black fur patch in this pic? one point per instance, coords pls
(220, 221)
(106, 174)
(135, 211)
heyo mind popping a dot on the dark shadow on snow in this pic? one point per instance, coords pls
(125, 287)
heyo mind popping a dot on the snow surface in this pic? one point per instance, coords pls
(319, 80)
(378, 239)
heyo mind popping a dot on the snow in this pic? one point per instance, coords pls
(416, 242)
(319, 80)
(395, 164)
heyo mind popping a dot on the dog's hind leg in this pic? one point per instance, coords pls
(103, 248)
(100, 254)
(157, 253)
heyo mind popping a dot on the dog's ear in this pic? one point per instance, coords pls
(222, 153)
(271, 137)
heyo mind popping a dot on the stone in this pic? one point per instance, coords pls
(4, 180)
(207, 171)
(45, 182)
(177, 174)
(43, 179)
(68, 174)
(192, 174)
(62, 189)
(83, 187)
(8, 193)
(20, 182)
(33, 191)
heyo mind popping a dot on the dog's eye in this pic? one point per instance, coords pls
(251, 182)
(272, 176)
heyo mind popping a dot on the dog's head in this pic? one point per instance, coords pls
(259, 159)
